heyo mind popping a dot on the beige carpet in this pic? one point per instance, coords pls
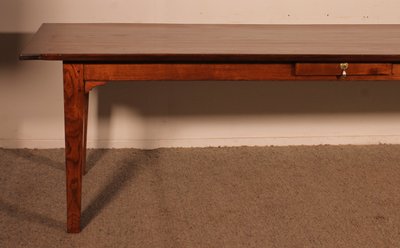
(300, 196)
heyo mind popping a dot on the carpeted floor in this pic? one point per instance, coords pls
(300, 196)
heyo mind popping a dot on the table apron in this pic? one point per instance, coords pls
(217, 71)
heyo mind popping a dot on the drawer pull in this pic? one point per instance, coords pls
(344, 67)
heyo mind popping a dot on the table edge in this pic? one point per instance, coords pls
(212, 58)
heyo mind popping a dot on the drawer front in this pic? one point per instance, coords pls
(334, 69)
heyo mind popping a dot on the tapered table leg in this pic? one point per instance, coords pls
(75, 105)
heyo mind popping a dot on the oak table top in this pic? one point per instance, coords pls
(215, 43)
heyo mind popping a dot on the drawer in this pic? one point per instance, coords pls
(334, 69)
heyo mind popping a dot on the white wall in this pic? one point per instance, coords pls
(154, 114)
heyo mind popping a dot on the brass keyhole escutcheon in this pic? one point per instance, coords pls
(344, 67)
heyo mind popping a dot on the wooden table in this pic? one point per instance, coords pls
(94, 54)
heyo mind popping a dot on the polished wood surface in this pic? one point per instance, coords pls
(236, 72)
(115, 72)
(75, 112)
(396, 69)
(354, 69)
(215, 43)
(95, 54)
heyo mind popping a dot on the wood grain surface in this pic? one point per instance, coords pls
(215, 43)
(75, 111)
(236, 72)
